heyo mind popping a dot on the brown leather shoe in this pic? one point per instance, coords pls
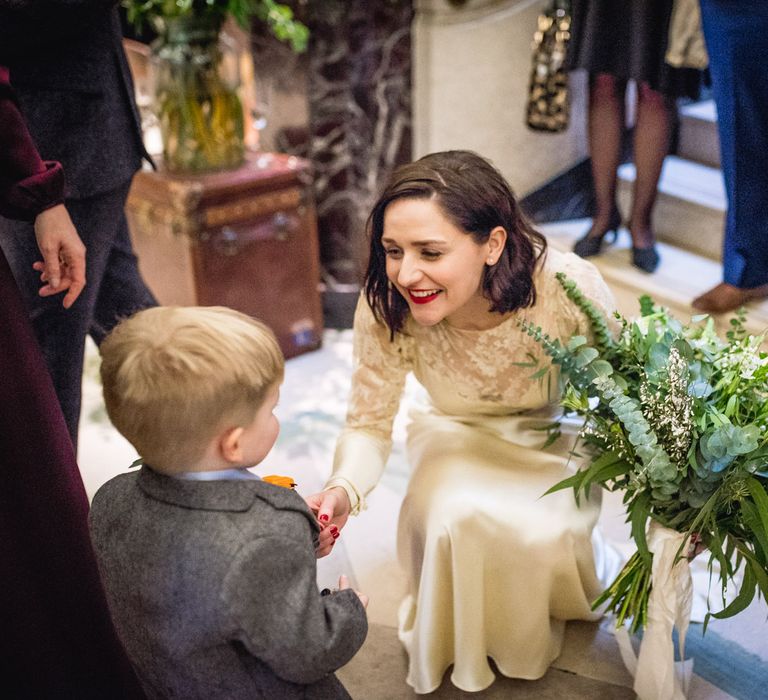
(725, 297)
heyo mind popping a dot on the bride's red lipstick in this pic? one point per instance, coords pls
(422, 300)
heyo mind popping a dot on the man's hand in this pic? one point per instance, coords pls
(63, 265)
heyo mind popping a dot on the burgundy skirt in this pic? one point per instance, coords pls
(57, 638)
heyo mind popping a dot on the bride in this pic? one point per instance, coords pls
(493, 568)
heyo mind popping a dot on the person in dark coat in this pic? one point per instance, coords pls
(57, 638)
(736, 32)
(74, 89)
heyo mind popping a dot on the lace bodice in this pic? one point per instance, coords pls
(465, 372)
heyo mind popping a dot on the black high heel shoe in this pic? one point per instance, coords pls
(589, 246)
(647, 259)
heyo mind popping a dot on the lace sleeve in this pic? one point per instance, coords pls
(378, 379)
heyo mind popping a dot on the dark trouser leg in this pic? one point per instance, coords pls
(100, 221)
(122, 290)
(737, 41)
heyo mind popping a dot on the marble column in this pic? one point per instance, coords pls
(358, 81)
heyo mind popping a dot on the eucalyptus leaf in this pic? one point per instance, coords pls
(700, 389)
(585, 356)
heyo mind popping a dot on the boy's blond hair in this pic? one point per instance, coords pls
(175, 377)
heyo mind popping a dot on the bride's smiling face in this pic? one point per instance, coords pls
(436, 266)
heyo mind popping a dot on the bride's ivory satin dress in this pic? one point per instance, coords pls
(494, 567)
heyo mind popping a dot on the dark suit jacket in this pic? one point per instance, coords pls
(70, 74)
(212, 587)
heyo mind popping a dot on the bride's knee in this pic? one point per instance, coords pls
(440, 512)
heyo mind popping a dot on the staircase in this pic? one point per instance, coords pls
(688, 220)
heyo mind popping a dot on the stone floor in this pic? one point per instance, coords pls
(377, 673)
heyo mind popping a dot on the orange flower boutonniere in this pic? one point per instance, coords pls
(285, 481)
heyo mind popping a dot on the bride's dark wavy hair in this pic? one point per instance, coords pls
(477, 199)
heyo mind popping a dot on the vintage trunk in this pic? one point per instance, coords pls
(245, 238)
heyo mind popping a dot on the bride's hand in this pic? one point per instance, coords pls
(331, 507)
(696, 546)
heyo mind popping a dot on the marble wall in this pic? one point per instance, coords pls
(357, 81)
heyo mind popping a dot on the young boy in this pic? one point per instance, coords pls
(209, 570)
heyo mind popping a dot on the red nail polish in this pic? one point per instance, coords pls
(323, 518)
(335, 534)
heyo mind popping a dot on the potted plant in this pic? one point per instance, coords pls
(197, 77)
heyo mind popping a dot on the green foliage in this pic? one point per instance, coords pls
(277, 16)
(279, 19)
(603, 340)
(676, 419)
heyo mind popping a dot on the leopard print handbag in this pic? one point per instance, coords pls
(548, 107)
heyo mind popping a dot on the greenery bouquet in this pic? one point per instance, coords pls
(675, 418)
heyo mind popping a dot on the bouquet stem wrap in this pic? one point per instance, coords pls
(657, 676)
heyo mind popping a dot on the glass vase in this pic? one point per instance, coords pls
(196, 98)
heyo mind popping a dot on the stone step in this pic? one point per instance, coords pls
(690, 207)
(698, 139)
(681, 276)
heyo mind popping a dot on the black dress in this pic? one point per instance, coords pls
(628, 39)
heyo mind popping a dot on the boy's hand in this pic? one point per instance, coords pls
(344, 584)
(326, 539)
(331, 508)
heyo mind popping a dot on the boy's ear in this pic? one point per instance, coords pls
(230, 446)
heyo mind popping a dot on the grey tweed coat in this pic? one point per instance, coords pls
(212, 588)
